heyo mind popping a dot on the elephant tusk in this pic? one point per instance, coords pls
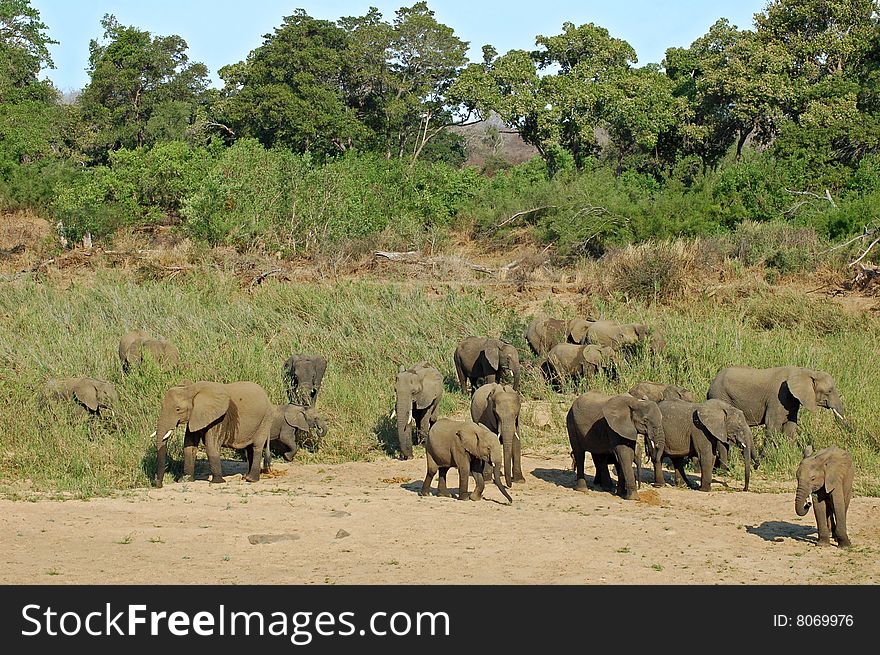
(410, 418)
(516, 436)
(153, 435)
(838, 414)
(168, 435)
(393, 413)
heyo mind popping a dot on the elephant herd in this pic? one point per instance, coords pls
(673, 423)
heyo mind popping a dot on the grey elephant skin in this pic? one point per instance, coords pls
(773, 396)
(418, 389)
(571, 361)
(696, 429)
(483, 360)
(236, 415)
(828, 476)
(292, 427)
(544, 333)
(302, 376)
(467, 446)
(134, 345)
(498, 407)
(656, 391)
(608, 428)
(625, 336)
(91, 393)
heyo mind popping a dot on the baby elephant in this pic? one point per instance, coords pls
(655, 392)
(828, 476)
(292, 427)
(468, 446)
(92, 394)
(134, 345)
(302, 376)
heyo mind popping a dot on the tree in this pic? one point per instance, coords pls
(289, 91)
(137, 78)
(24, 52)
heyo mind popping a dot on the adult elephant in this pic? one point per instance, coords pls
(568, 360)
(828, 477)
(482, 360)
(237, 415)
(302, 378)
(91, 393)
(655, 392)
(608, 428)
(292, 427)
(696, 429)
(134, 345)
(772, 397)
(419, 390)
(624, 336)
(498, 407)
(544, 333)
(467, 446)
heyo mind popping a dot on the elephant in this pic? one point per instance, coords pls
(236, 415)
(419, 390)
(544, 333)
(468, 446)
(608, 428)
(772, 397)
(568, 360)
(656, 392)
(483, 360)
(695, 429)
(91, 393)
(292, 427)
(828, 476)
(303, 375)
(624, 336)
(133, 345)
(498, 407)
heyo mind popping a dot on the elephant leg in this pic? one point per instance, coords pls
(517, 460)
(580, 480)
(190, 449)
(837, 507)
(249, 455)
(406, 448)
(429, 476)
(477, 493)
(820, 510)
(659, 479)
(625, 456)
(721, 461)
(602, 479)
(707, 464)
(681, 474)
(253, 474)
(789, 430)
(442, 489)
(213, 449)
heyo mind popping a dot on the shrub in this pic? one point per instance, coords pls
(651, 272)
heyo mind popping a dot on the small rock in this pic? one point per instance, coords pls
(541, 416)
(272, 538)
(342, 534)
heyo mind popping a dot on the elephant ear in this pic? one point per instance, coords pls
(592, 357)
(712, 418)
(800, 384)
(86, 393)
(833, 475)
(493, 355)
(296, 418)
(618, 414)
(209, 405)
(320, 368)
(422, 396)
(577, 330)
(469, 441)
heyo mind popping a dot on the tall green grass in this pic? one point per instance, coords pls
(366, 330)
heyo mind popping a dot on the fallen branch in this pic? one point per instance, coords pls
(865, 235)
(262, 276)
(522, 213)
(864, 254)
(810, 194)
(396, 256)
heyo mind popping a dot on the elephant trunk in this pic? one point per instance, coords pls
(747, 460)
(164, 430)
(836, 406)
(496, 476)
(515, 372)
(507, 433)
(404, 416)
(321, 428)
(801, 504)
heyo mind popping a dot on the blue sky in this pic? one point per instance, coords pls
(221, 32)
